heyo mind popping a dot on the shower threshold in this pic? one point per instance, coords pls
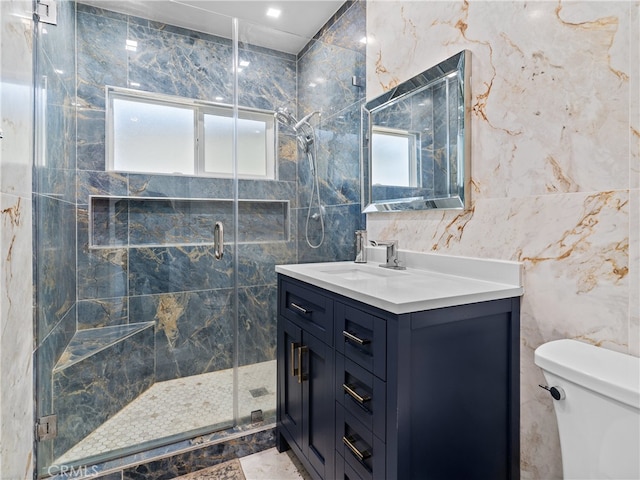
(183, 407)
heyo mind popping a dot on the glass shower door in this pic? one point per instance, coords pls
(137, 306)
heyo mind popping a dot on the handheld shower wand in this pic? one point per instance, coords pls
(305, 119)
(306, 137)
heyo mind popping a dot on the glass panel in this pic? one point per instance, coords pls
(136, 337)
(152, 138)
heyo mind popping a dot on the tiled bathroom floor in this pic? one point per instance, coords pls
(181, 405)
(271, 465)
(265, 465)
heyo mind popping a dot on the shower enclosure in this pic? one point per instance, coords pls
(165, 192)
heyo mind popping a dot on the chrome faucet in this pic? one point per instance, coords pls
(392, 254)
(361, 246)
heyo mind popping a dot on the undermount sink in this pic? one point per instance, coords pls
(362, 272)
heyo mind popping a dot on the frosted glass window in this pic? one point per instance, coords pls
(394, 160)
(152, 137)
(155, 133)
(254, 158)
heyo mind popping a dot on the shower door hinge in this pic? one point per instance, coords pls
(46, 11)
(47, 428)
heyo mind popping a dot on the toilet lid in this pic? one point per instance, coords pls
(613, 374)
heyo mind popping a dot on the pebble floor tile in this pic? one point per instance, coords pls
(182, 405)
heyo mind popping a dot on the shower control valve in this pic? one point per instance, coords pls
(556, 392)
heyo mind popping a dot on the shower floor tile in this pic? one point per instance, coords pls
(182, 405)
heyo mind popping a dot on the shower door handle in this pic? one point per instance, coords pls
(218, 240)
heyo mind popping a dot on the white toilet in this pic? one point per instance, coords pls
(598, 409)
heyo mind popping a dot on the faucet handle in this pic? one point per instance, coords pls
(385, 243)
(392, 253)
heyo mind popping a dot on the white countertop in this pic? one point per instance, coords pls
(430, 280)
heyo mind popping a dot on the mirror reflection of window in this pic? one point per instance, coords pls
(394, 159)
(154, 133)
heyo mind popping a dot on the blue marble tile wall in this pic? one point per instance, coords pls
(181, 288)
(54, 203)
(325, 70)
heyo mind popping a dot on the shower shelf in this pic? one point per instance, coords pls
(140, 222)
(86, 343)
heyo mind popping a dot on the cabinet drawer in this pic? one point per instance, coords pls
(362, 394)
(307, 307)
(360, 449)
(361, 337)
(344, 471)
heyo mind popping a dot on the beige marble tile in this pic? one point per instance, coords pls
(16, 342)
(16, 323)
(269, 464)
(555, 167)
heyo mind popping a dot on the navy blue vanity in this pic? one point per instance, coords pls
(410, 391)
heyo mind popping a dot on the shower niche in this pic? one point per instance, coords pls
(146, 222)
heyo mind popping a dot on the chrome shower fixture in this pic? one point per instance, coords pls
(305, 119)
(305, 134)
(306, 138)
(283, 116)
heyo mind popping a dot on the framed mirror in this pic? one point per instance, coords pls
(416, 141)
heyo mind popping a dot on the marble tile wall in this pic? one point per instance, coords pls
(326, 67)
(555, 167)
(181, 288)
(16, 290)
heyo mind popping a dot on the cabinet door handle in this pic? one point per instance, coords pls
(300, 309)
(301, 376)
(351, 337)
(353, 394)
(348, 441)
(294, 370)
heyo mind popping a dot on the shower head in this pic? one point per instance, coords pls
(283, 116)
(305, 120)
(304, 131)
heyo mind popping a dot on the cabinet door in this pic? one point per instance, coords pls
(319, 406)
(290, 408)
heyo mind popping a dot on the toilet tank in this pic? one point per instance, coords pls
(599, 419)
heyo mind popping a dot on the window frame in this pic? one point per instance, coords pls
(413, 153)
(200, 108)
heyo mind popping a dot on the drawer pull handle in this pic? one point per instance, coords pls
(348, 441)
(353, 394)
(299, 308)
(353, 338)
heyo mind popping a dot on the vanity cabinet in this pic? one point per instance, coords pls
(305, 375)
(431, 394)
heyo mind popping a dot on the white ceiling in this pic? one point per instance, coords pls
(299, 22)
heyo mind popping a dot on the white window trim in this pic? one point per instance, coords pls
(199, 108)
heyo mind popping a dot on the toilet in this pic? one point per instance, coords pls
(597, 403)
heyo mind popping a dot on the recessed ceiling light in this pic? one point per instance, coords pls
(363, 40)
(134, 84)
(219, 99)
(131, 45)
(273, 12)
(244, 63)
(312, 84)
